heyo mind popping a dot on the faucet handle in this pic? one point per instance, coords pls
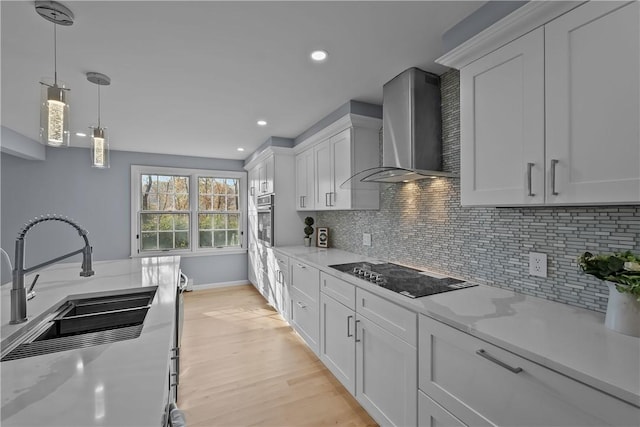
(31, 294)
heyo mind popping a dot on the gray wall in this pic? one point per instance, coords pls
(423, 224)
(99, 200)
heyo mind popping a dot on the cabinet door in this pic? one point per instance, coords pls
(253, 261)
(502, 125)
(305, 181)
(254, 184)
(337, 347)
(340, 198)
(592, 91)
(323, 167)
(269, 167)
(386, 376)
(282, 277)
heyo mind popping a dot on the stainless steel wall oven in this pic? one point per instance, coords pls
(265, 219)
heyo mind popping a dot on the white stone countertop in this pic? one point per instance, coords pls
(569, 340)
(120, 384)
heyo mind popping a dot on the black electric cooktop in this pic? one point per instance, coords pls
(406, 281)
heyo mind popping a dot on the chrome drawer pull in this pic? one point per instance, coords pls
(301, 304)
(349, 334)
(357, 340)
(487, 356)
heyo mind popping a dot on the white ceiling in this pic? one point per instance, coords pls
(192, 78)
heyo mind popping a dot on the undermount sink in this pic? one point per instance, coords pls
(105, 317)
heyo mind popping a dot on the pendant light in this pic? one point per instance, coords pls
(99, 142)
(54, 109)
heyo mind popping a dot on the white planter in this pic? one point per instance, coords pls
(307, 241)
(623, 312)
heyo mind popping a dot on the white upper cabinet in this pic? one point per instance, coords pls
(265, 175)
(592, 112)
(305, 199)
(552, 117)
(502, 125)
(332, 168)
(326, 161)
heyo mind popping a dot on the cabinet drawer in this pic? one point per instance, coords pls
(395, 319)
(430, 414)
(342, 291)
(482, 384)
(281, 260)
(306, 280)
(306, 319)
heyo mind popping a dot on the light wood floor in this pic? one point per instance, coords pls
(242, 365)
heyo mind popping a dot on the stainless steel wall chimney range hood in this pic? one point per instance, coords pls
(412, 130)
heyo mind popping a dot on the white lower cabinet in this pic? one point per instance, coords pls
(337, 346)
(386, 375)
(362, 342)
(430, 414)
(281, 278)
(305, 297)
(485, 385)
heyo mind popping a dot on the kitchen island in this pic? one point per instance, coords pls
(124, 383)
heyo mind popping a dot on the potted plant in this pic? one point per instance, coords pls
(308, 230)
(621, 273)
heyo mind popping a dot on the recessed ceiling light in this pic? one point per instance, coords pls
(240, 149)
(262, 122)
(81, 134)
(319, 55)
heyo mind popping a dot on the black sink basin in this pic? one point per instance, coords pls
(103, 318)
(81, 316)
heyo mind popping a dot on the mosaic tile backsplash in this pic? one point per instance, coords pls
(422, 224)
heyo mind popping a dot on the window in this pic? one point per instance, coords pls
(186, 211)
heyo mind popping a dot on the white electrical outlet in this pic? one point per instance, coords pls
(537, 264)
(366, 239)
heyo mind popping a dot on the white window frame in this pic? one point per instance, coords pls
(136, 188)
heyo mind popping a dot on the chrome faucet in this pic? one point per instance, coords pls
(18, 292)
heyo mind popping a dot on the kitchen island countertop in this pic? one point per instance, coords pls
(569, 340)
(119, 384)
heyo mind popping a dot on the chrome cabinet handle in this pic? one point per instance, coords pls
(487, 356)
(529, 168)
(357, 340)
(349, 334)
(301, 266)
(554, 162)
(301, 204)
(331, 199)
(253, 191)
(301, 304)
(326, 198)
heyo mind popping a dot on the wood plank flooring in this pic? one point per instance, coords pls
(242, 365)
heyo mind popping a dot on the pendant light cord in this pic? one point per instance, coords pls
(98, 105)
(55, 56)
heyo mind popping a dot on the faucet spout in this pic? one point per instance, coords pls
(18, 290)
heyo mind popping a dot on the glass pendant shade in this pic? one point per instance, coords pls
(54, 116)
(99, 148)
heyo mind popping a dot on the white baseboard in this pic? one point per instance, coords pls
(220, 285)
